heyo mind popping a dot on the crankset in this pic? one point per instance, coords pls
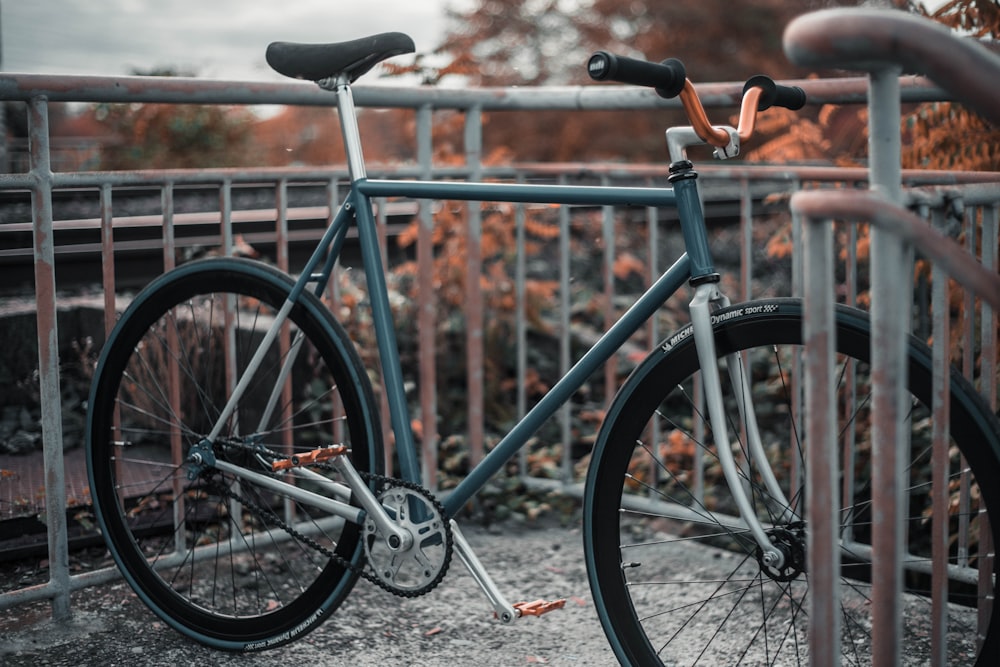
(418, 564)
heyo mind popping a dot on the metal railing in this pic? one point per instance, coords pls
(736, 199)
(883, 44)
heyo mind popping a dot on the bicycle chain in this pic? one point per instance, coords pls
(384, 483)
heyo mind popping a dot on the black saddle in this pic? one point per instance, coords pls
(315, 62)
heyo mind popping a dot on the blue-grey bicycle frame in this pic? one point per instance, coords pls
(695, 262)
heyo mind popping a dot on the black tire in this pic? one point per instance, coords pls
(682, 588)
(250, 583)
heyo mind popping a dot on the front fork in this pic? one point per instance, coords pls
(706, 298)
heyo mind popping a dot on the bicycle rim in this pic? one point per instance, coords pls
(678, 579)
(224, 560)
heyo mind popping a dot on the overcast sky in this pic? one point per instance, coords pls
(218, 39)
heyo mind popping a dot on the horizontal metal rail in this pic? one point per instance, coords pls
(124, 89)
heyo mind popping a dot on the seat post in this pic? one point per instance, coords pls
(348, 125)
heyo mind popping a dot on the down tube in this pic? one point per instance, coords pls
(610, 342)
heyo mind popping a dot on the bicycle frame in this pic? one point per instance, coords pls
(672, 280)
(694, 266)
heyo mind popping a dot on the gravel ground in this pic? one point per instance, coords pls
(452, 626)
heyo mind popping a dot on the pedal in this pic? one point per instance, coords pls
(308, 458)
(538, 607)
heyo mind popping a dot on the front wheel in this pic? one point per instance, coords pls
(676, 577)
(228, 560)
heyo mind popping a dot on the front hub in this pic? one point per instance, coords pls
(791, 540)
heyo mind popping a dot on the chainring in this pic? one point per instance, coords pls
(419, 567)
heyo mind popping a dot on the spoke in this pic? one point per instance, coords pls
(732, 609)
(687, 538)
(700, 508)
(304, 425)
(170, 423)
(182, 357)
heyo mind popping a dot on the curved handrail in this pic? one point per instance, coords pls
(820, 205)
(869, 39)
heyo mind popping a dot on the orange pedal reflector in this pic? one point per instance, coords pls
(307, 458)
(538, 607)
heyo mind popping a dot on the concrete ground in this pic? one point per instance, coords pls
(452, 626)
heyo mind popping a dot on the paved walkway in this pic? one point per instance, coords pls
(450, 627)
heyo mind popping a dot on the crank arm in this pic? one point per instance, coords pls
(396, 538)
(503, 609)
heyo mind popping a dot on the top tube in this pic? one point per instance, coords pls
(519, 192)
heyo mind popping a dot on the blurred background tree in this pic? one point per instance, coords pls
(548, 42)
(943, 135)
(165, 136)
(938, 135)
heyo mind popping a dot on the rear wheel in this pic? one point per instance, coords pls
(224, 559)
(676, 578)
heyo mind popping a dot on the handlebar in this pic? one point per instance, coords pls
(669, 79)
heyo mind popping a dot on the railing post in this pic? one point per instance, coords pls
(746, 241)
(48, 357)
(473, 289)
(941, 398)
(608, 240)
(890, 324)
(565, 413)
(822, 501)
(521, 323)
(427, 313)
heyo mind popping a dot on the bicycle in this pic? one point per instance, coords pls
(236, 459)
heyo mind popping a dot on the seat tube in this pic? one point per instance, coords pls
(378, 293)
(385, 335)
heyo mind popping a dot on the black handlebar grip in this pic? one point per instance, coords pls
(667, 77)
(775, 95)
(789, 97)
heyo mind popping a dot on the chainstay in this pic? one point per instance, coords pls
(384, 482)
